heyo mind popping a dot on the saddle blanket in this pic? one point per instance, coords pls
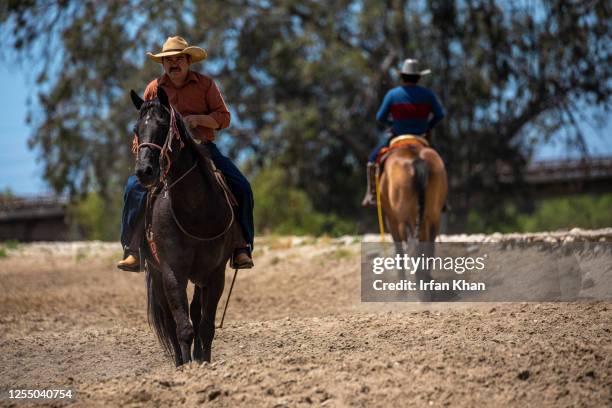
(400, 142)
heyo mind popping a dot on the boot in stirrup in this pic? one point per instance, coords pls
(131, 254)
(131, 263)
(369, 200)
(241, 259)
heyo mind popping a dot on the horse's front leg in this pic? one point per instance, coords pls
(195, 312)
(210, 301)
(175, 287)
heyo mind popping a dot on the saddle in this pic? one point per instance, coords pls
(400, 142)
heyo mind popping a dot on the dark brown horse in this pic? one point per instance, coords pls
(413, 192)
(191, 229)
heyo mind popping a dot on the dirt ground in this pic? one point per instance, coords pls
(296, 334)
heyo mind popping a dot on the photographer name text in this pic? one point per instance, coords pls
(406, 285)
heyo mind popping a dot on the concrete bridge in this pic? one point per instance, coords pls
(33, 219)
(555, 178)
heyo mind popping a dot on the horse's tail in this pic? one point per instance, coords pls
(421, 173)
(158, 310)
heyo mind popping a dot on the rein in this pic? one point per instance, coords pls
(219, 235)
(165, 150)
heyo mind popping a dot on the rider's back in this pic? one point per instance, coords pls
(410, 107)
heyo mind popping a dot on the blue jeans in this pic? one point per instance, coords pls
(134, 202)
(241, 188)
(383, 143)
(134, 199)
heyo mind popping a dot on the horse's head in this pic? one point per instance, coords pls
(152, 132)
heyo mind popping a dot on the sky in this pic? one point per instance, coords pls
(21, 174)
(19, 171)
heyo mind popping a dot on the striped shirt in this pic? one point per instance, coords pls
(410, 108)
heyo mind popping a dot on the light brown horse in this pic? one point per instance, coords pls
(413, 192)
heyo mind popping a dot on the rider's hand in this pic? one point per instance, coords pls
(191, 121)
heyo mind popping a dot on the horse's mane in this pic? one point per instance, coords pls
(186, 135)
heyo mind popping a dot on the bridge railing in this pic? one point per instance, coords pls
(560, 171)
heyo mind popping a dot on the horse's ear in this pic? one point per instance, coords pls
(163, 97)
(137, 100)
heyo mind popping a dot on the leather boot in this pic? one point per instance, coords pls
(131, 256)
(241, 259)
(369, 198)
(131, 263)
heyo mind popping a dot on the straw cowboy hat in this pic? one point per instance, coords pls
(411, 67)
(177, 45)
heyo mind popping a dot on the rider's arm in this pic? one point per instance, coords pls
(436, 110)
(207, 121)
(382, 116)
(219, 116)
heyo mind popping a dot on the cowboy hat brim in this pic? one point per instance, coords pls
(422, 73)
(197, 54)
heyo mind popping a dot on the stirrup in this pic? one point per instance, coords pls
(241, 259)
(371, 172)
(132, 266)
(368, 200)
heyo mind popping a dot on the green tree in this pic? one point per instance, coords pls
(92, 217)
(304, 79)
(590, 211)
(587, 211)
(284, 209)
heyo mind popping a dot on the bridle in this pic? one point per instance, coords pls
(164, 155)
(166, 148)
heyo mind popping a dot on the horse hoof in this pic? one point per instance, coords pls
(197, 355)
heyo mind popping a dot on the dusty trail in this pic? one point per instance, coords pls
(296, 334)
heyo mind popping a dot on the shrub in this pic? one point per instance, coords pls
(284, 209)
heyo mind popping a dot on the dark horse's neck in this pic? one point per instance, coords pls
(197, 198)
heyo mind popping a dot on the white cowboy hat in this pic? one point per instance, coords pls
(411, 67)
(177, 45)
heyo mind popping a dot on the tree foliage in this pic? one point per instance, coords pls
(590, 211)
(304, 79)
(92, 217)
(288, 210)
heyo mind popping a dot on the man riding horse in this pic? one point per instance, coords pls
(199, 101)
(414, 109)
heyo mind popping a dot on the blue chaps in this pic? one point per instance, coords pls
(135, 199)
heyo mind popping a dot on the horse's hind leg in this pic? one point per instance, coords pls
(176, 294)
(195, 312)
(426, 247)
(210, 299)
(396, 234)
(399, 233)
